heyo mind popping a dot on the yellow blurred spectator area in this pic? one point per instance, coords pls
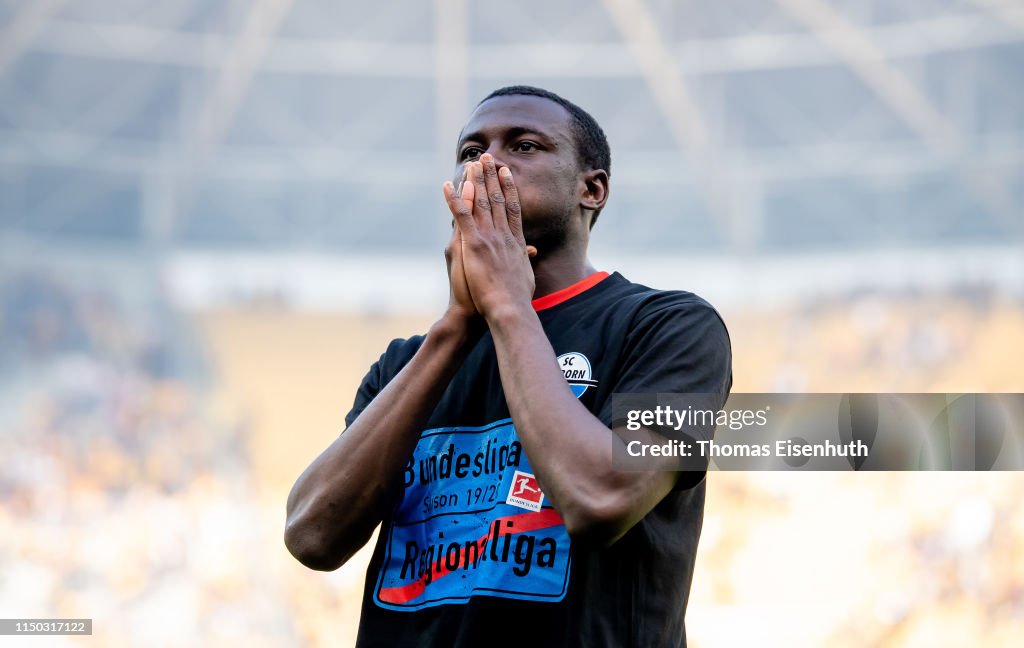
(149, 452)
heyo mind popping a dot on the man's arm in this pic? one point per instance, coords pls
(569, 448)
(340, 498)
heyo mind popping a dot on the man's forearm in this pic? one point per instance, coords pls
(339, 499)
(569, 448)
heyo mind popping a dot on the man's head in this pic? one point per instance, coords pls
(558, 155)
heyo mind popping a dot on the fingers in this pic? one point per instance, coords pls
(454, 243)
(495, 195)
(488, 198)
(513, 210)
(481, 204)
(461, 207)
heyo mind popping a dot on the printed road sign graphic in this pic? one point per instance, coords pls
(472, 522)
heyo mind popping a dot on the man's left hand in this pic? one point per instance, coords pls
(495, 255)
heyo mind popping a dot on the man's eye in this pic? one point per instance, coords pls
(471, 152)
(526, 146)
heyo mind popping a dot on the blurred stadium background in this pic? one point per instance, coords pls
(214, 215)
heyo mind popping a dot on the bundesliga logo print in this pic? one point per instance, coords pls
(525, 492)
(460, 529)
(576, 369)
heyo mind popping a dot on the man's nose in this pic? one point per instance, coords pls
(496, 153)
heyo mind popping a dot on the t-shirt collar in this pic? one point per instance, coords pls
(567, 293)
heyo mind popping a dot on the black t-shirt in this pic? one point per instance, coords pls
(473, 554)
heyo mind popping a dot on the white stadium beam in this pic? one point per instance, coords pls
(451, 79)
(1010, 12)
(237, 69)
(858, 51)
(662, 73)
(351, 58)
(23, 30)
(671, 93)
(1003, 153)
(851, 45)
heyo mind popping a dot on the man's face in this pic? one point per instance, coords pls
(532, 136)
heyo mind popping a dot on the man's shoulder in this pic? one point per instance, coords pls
(402, 346)
(645, 302)
(398, 352)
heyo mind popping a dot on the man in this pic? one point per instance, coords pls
(484, 449)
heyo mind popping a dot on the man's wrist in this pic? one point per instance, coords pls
(459, 326)
(511, 316)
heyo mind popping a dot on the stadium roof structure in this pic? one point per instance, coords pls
(746, 126)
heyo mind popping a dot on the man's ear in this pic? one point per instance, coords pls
(595, 189)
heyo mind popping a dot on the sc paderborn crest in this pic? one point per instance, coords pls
(576, 369)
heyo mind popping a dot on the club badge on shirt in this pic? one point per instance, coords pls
(577, 371)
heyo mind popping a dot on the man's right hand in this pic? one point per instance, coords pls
(460, 302)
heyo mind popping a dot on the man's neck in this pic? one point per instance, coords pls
(560, 270)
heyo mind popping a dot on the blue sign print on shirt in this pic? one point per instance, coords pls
(472, 521)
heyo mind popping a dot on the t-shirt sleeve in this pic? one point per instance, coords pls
(678, 344)
(398, 353)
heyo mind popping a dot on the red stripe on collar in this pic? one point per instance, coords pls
(559, 296)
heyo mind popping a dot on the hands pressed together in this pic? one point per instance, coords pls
(488, 259)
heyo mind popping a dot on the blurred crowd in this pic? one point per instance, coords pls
(874, 559)
(125, 494)
(44, 319)
(128, 494)
(914, 560)
(961, 341)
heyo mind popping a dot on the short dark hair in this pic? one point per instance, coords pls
(592, 150)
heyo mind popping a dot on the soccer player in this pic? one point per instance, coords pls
(483, 449)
